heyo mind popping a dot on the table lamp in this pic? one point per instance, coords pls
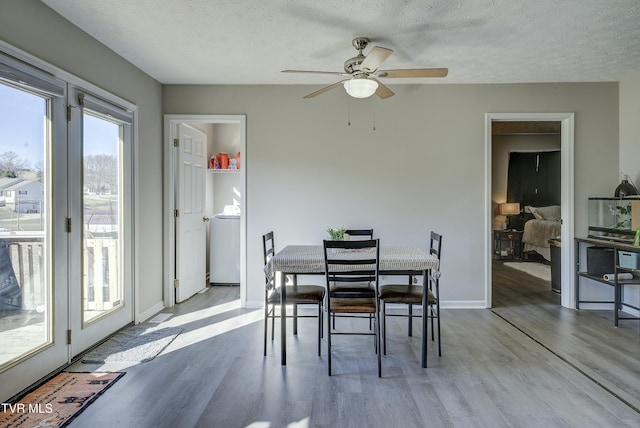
(508, 209)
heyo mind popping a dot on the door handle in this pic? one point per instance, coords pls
(205, 219)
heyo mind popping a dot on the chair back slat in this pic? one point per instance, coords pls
(360, 233)
(268, 251)
(435, 244)
(352, 261)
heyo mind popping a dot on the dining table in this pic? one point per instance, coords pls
(309, 260)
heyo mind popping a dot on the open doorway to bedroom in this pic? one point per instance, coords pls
(526, 207)
(537, 187)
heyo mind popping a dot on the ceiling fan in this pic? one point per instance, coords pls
(363, 73)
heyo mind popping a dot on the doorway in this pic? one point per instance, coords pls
(567, 191)
(172, 183)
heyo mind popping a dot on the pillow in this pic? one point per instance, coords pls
(551, 213)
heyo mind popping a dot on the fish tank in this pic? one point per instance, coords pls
(614, 219)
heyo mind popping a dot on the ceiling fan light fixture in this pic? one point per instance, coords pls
(360, 88)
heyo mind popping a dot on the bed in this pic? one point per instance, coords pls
(544, 226)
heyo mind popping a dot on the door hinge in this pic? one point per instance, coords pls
(176, 283)
(68, 113)
(68, 224)
(176, 142)
(176, 213)
(68, 337)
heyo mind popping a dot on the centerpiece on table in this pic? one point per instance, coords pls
(339, 234)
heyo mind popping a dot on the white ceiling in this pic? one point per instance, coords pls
(480, 41)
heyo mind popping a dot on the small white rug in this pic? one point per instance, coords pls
(538, 270)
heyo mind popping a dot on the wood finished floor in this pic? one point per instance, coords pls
(491, 373)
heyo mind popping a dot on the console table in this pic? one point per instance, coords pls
(618, 285)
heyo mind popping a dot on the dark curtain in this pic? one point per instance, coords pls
(548, 179)
(534, 178)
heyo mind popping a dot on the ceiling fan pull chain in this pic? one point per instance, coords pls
(349, 111)
(374, 117)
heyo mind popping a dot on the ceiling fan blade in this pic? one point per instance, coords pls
(375, 58)
(325, 89)
(414, 72)
(383, 91)
(333, 73)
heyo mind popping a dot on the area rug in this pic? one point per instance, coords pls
(538, 270)
(58, 401)
(137, 344)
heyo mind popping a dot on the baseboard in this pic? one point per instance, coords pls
(596, 306)
(254, 304)
(445, 304)
(463, 304)
(450, 304)
(608, 307)
(631, 311)
(143, 316)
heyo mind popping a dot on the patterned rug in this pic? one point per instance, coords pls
(538, 270)
(57, 402)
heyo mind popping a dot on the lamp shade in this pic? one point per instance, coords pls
(360, 88)
(510, 208)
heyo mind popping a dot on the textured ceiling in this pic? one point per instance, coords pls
(480, 41)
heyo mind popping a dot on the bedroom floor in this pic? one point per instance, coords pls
(586, 340)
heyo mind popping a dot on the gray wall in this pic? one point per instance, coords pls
(422, 168)
(630, 146)
(34, 28)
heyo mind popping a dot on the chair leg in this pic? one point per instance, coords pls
(410, 320)
(377, 326)
(319, 326)
(384, 328)
(425, 335)
(432, 330)
(295, 318)
(329, 342)
(273, 320)
(438, 314)
(266, 326)
(376, 343)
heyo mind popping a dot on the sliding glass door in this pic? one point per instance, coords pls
(66, 216)
(100, 147)
(33, 239)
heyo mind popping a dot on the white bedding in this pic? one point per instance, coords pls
(537, 234)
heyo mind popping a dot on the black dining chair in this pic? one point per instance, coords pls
(361, 289)
(352, 262)
(296, 294)
(411, 294)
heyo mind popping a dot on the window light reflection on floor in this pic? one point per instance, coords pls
(190, 337)
(304, 423)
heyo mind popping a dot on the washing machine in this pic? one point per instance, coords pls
(224, 254)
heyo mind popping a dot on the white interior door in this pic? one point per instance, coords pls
(190, 217)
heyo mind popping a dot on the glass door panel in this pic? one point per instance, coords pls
(102, 273)
(25, 211)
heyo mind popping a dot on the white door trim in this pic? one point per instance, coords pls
(567, 198)
(170, 122)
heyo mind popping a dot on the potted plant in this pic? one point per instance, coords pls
(336, 234)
